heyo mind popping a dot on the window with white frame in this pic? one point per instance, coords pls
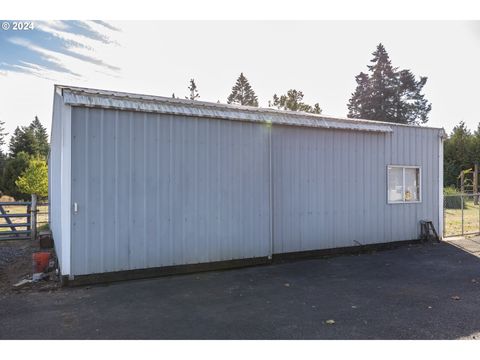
(403, 184)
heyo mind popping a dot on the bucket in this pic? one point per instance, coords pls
(40, 261)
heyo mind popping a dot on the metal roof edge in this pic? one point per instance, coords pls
(367, 125)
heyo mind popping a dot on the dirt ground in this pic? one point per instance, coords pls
(16, 265)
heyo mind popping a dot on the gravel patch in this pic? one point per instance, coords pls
(9, 254)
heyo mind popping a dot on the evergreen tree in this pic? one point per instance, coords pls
(14, 167)
(3, 134)
(475, 145)
(389, 94)
(194, 95)
(458, 153)
(41, 136)
(32, 139)
(293, 101)
(358, 106)
(242, 93)
(316, 109)
(22, 140)
(3, 156)
(3, 161)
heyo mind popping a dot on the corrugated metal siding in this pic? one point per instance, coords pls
(159, 190)
(330, 186)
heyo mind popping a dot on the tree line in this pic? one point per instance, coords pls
(24, 169)
(383, 93)
(460, 152)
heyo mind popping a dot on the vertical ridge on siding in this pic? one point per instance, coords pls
(101, 219)
(144, 197)
(86, 263)
(165, 195)
(170, 188)
(353, 175)
(161, 216)
(115, 204)
(130, 209)
(160, 190)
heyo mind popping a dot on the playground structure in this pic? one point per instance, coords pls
(468, 182)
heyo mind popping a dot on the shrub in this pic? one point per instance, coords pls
(34, 179)
(14, 166)
(452, 198)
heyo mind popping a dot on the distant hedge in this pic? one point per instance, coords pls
(452, 202)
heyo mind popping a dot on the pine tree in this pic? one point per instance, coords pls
(358, 106)
(3, 156)
(22, 140)
(388, 94)
(293, 101)
(242, 93)
(40, 132)
(32, 139)
(412, 107)
(3, 134)
(316, 109)
(194, 95)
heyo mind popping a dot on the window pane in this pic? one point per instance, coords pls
(412, 184)
(395, 184)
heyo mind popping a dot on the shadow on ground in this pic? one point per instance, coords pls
(427, 291)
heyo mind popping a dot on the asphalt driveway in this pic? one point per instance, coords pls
(429, 291)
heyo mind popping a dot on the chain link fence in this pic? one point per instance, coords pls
(461, 214)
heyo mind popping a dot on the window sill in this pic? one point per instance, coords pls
(403, 202)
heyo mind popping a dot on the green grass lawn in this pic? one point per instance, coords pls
(471, 220)
(42, 216)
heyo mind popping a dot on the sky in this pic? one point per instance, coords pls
(320, 58)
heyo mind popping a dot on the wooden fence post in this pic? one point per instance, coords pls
(33, 217)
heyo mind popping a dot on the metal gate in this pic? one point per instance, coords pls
(461, 214)
(20, 220)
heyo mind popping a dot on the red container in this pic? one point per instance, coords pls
(40, 261)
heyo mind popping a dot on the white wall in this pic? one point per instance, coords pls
(60, 181)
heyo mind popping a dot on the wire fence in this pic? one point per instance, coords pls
(461, 215)
(43, 216)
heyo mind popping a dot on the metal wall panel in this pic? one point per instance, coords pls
(55, 175)
(330, 186)
(158, 190)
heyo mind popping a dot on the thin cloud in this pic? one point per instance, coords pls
(47, 56)
(107, 25)
(82, 27)
(52, 43)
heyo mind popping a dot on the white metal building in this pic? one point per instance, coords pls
(142, 181)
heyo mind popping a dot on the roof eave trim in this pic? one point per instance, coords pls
(75, 98)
